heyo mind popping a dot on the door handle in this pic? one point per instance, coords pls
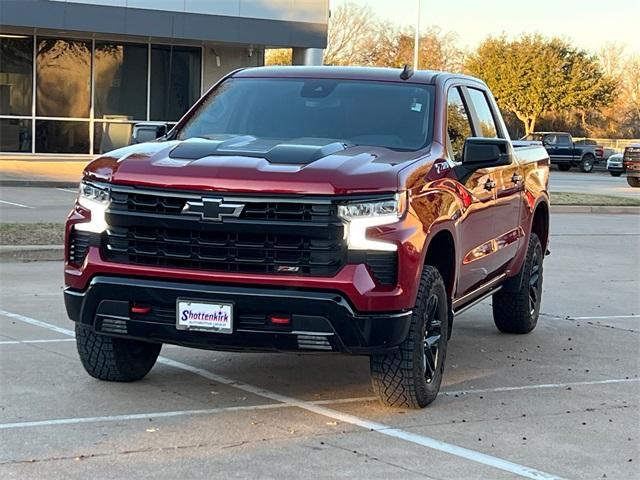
(489, 185)
(516, 178)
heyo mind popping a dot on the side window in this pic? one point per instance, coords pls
(563, 140)
(487, 127)
(458, 124)
(550, 139)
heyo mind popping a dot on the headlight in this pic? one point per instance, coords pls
(361, 216)
(94, 198)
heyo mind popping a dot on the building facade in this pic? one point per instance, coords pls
(76, 75)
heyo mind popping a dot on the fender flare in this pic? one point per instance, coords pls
(513, 284)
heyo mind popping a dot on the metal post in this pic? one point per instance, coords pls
(416, 45)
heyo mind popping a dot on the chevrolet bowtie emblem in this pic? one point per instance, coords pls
(212, 209)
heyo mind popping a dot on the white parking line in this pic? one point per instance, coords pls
(175, 413)
(50, 340)
(38, 323)
(540, 386)
(68, 190)
(604, 317)
(15, 204)
(432, 443)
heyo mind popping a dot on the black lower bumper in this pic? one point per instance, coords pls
(319, 320)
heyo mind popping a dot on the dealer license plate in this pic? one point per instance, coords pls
(204, 316)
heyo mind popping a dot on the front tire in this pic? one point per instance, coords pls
(633, 182)
(517, 311)
(615, 174)
(410, 376)
(586, 165)
(115, 359)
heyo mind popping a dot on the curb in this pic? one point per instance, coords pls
(31, 253)
(595, 209)
(38, 183)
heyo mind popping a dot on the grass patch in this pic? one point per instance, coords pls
(588, 199)
(31, 233)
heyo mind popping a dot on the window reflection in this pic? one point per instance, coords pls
(16, 75)
(175, 81)
(55, 136)
(458, 124)
(109, 136)
(15, 135)
(487, 123)
(63, 80)
(121, 80)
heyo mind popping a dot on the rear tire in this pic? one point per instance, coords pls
(633, 181)
(564, 167)
(615, 174)
(517, 312)
(115, 359)
(410, 376)
(586, 165)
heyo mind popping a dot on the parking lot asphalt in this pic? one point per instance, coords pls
(35, 204)
(561, 402)
(598, 183)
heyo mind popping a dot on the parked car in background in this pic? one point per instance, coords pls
(631, 164)
(565, 153)
(615, 165)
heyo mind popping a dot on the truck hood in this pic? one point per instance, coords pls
(247, 164)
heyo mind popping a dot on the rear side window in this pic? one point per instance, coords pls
(487, 127)
(458, 124)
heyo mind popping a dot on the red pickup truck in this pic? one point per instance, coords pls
(306, 209)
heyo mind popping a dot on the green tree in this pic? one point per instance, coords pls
(533, 76)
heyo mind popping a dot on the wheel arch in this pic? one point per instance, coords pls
(540, 223)
(540, 226)
(440, 253)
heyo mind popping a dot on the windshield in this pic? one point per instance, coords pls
(384, 114)
(533, 137)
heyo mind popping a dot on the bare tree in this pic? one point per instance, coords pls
(350, 29)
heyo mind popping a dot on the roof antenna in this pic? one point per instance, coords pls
(406, 73)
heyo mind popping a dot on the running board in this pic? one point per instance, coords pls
(479, 294)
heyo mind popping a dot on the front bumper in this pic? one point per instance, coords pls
(320, 320)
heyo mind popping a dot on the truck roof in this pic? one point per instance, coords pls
(551, 133)
(348, 73)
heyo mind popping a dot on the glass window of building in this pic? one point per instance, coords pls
(16, 75)
(53, 136)
(63, 78)
(175, 81)
(120, 80)
(15, 135)
(108, 136)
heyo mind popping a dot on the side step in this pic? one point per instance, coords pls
(479, 294)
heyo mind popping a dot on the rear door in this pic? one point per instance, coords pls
(507, 185)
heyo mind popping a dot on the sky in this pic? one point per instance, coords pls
(587, 23)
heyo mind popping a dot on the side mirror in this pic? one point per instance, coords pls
(486, 152)
(148, 131)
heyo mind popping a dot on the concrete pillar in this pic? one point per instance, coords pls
(308, 56)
